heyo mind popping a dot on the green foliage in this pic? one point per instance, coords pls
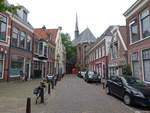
(126, 70)
(10, 8)
(70, 49)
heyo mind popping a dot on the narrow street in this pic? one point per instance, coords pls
(71, 95)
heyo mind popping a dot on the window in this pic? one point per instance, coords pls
(45, 51)
(103, 50)
(17, 65)
(100, 52)
(41, 48)
(3, 27)
(36, 46)
(135, 65)
(1, 65)
(133, 31)
(24, 15)
(22, 40)
(29, 42)
(115, 50)
(146, 64)
(15, 36)
(145, 23)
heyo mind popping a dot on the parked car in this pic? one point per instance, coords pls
(130, 89)
(81, 74)
(92, 77)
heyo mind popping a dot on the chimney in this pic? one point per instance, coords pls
(60, 27)
(44, 28)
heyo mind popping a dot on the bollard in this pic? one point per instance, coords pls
(28, 105)
(49, 88)
(42, 95)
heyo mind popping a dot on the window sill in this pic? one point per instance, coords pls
(14, 76)
(140, 40)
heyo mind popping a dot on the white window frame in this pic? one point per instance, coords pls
(142, 71)
(141, 34)
(6, 29)
(14, 76)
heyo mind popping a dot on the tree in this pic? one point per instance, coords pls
(126, 70)
(70, 51)
(6, 7)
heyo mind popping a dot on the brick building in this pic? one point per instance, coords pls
(44, 51)
(97, 55)
(20, 46)
(82, 42)
(138, 22)
(117, 56)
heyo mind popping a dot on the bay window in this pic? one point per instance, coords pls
(145, 23)
(3, 27)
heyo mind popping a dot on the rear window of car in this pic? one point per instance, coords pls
(113, 78)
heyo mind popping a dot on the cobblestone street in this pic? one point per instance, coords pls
(71, 95)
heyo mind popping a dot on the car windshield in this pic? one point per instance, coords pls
(134, 81)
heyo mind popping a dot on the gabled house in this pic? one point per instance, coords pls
(97, 54)
(117, 56)
(20, 59)
(138, 22)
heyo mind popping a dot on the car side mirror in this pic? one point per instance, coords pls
(120, 83)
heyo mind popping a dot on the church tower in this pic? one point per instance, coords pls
(76, 28)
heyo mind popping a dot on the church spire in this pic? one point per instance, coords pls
(76, 28)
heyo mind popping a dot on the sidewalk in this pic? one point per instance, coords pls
(13, 95)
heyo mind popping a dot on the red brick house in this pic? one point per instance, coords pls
(117, 56)
(20, 60)
(138, 23)
(97, 55)
(44, 51)
(5, 28)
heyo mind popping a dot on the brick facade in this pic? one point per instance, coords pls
(137, 48)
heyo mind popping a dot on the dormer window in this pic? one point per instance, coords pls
(24, 15)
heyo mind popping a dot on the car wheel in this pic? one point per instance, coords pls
(127, 99)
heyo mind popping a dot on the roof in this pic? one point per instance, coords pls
(43, 33)
(123, 32)
(85, 36)
(135, 6)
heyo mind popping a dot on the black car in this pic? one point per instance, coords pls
(92, 77)
(131, 89)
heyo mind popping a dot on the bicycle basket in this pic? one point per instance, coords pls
(36, 91)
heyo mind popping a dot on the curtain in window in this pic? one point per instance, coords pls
(136, 69)
(3, 26)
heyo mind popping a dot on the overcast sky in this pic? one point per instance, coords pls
(96, 14)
